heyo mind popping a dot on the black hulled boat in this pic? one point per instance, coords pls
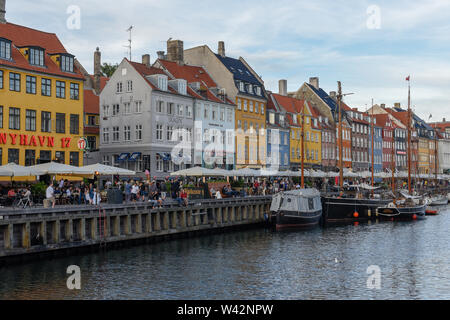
(300, 208)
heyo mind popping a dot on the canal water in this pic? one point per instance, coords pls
(413, 260)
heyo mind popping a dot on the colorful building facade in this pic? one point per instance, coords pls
(41, 98)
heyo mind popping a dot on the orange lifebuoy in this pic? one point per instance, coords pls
(356, 214)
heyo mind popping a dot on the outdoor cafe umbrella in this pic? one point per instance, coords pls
(102, 169)
(55, 168)
(15, 170)
(196, 172)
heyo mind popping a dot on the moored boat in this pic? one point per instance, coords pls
(439, 200)
(406, 209)
(300, 208)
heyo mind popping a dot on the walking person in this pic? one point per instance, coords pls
(127, 191)
(50, 194)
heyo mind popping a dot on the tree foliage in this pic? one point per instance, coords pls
(108, 69)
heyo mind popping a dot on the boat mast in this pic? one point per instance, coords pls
(373, 164)
(341, 170)
(435, 153)
(393, 161)
(303, 142)
(409, 135)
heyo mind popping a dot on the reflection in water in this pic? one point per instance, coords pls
(414, 259)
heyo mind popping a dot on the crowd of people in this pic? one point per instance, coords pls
(157, 192)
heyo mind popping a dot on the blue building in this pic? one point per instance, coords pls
(278, 137)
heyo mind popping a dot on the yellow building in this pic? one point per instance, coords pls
(295, 108)
(250, 132)
(41, 98)
(424, 156)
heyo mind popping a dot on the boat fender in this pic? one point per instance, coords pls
(391, 205)
(355, 214)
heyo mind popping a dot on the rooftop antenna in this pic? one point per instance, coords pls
(129, 42)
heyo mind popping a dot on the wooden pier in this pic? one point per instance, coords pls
(43, 230)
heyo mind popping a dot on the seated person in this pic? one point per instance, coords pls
(182, 199)
(11, 193)
(218, 195)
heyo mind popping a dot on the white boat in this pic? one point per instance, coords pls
(439, 200)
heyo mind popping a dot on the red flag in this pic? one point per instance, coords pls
(407, 79)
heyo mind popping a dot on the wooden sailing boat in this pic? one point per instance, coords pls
(408, 207)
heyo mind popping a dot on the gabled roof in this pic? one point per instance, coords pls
(325, 97)
(194, 74)
(91, 102)
(21, 36)
(238, 69)
(289, 104)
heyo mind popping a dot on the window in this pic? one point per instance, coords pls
(119, 87)
(36, 56)
(115, 132)
(159, 132)
(262, 108)
(31, 84)
(60, 89)
(139, 132)
(106, 160)
(189, 111)
(159, 163)
(160, 106)
(129, 85)
(245, 105)
(13, 156)
(30, 157)
(1, 79)
(138, 106)
(162, 82)
(60, 123)
(239, 104)
(250, 106)
(5, 49)
(222, 114)
(214, 113)
(256, 107)
(74, 91)
(126, 133)
(46, 85)
(45, 156)
(74, 159)
(229, 115)
(241, 86)
(14, 81)
(66, 63)
(206, 113)
(106, 135)
(116, 109)
(126, 106)
(169, 133)
(30, 120)
(46, 121)
(170, 108)
(74, 124)
(258, 92)
(179, 110)
(91, 143)
(14, 118)
(1, 116)
(60, 156)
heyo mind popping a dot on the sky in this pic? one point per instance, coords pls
(370, 46)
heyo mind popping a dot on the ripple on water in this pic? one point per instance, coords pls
(414, 259)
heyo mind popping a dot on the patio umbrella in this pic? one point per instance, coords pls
(196, 172)
(54, 168)
(102, 169)
(15, 170)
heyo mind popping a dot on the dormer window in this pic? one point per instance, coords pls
(241, 86)
(36, 56)
(258, 91)
(182, 86)
(162, 82)
(249, 88)
(66, 63)
(5, 49)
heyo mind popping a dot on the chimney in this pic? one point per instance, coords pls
(160, 55)
(333, 95)
(175, 51)
(314, 81)
(282, 87)
(397, 104)
(443, 119)
(383, 105)
(221, 49)
(146, 60)
(2, 11)
(97, 69)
